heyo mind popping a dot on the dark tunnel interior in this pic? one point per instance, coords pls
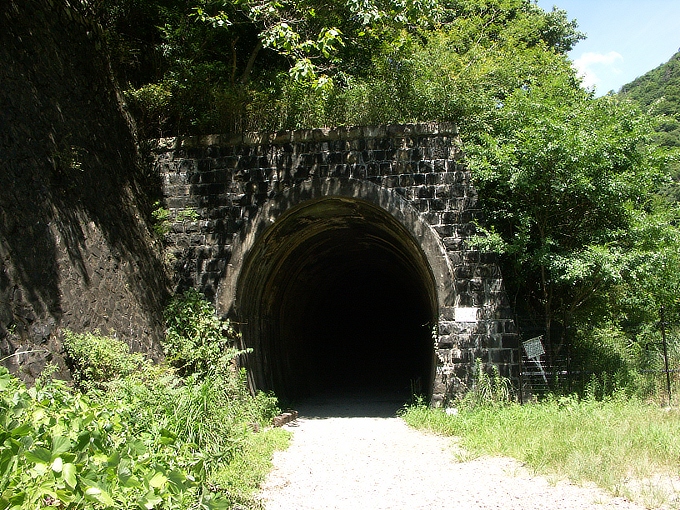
(345, 307)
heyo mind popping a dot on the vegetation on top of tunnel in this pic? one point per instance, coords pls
(136, 434)
(207, 66)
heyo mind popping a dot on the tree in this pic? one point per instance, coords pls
(564, 177)
(224, 65)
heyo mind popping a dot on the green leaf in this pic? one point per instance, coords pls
(60, 445)
(114, 459)
(178, 478)
(129, 481)
(65, 496)
(158, 480)
(57, 465)
(150, 500)
(99, 495)
(167, 436)
(22, 430)
(136, 448)
(68, 473)
(39, 456)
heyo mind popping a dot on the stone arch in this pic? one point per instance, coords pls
(337, 284)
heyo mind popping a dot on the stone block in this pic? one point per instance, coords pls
(510, 341)
(425, 166)
(391, 181)
(500, 356)
(445, 342)
(447, 313)
(444, 231)
(406, 180)
(425, 192)
(284, 418)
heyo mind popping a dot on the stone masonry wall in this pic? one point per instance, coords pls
(75, 251)
(215, 184)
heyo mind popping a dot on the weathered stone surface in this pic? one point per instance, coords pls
(416, 168)
(74, 250)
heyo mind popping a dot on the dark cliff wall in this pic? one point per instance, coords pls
(75, 251)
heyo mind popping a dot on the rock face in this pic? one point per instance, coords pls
(75, 251)
(341, 253)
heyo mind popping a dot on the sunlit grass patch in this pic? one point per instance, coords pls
(241, 478)
(625, 446)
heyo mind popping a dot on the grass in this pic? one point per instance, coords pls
(241, 478)
(628, 447)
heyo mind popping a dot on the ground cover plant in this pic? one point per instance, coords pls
(134, 434)
(624, 445)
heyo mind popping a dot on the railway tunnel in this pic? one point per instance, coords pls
(337, 296)
(341, 255)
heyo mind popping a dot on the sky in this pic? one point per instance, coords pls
(625, 38)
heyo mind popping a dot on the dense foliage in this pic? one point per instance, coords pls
(659, 92)
(139, 435)
(197, 342)
(659, 89)
(566, 181)
(228, 65)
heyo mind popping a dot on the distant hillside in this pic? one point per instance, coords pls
(661, 87)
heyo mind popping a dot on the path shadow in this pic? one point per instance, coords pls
(359, 404)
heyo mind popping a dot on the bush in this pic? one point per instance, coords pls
(609, 362)
(197, 341)
(95, 359)
(150, 103)
(63, 449)
(140, 436)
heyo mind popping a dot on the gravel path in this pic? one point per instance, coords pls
(355, 456)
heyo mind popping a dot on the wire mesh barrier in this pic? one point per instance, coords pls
(560, 376)
(655, 378)
(538, 375)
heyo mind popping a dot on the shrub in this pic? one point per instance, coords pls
(161, 219)
(197, 341)
(150, 103)
(140, 436)
(609, 362)
(95, 359)
(61, 448)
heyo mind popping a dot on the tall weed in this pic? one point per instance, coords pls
(487, 389)
(138, 434)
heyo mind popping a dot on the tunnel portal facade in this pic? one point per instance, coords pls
(341, 255)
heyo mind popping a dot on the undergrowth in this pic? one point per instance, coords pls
(134, 434)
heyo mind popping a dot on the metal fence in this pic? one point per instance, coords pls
(541, 374)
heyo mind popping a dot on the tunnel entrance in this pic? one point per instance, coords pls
(338, 297)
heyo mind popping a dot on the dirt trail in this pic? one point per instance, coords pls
(357, 455)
